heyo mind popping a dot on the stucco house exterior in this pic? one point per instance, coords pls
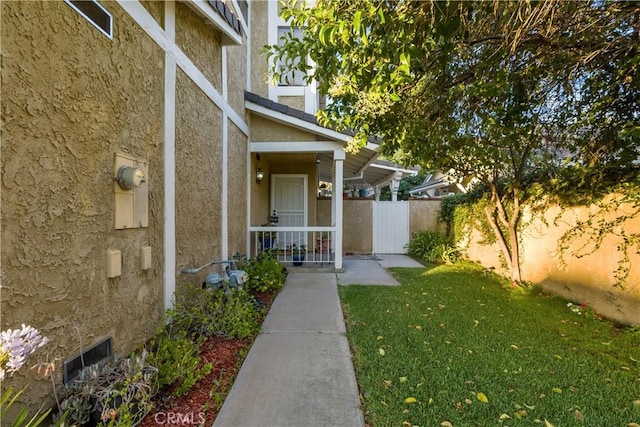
(132, 134)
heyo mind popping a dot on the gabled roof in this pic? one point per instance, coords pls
(362, 167)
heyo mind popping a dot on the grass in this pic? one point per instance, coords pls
(455, 345)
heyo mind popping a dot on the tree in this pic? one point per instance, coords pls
(525, 95)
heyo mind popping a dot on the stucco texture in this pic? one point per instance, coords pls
(424, 215)
(259, 26)
(198, 175)
(587, 279)
(200, 42)
(236, 77)
(264, 130)
(69, 103)
(357, 224)
(237, 190)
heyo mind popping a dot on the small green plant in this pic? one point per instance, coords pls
(204, 313)
(265, 273)
(443, 253)
(177, 359)
(114, 392)
(432, 246)
(8, 399)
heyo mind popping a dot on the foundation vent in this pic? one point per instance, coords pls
(102, 350)
(93, 12)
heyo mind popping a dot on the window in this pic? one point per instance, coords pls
(93, 12)
(94, 354)
(244, 9)
(296, 77)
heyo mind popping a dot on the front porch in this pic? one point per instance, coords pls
(290, 155)
(297, 246)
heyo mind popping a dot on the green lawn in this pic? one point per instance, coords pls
(471, 351)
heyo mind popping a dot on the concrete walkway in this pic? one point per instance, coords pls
(299, 370)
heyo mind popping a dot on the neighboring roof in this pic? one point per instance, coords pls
(223, 10)
(362, 167)
(432, 185)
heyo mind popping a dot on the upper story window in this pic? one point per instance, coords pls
(296, 77)
(97, 15)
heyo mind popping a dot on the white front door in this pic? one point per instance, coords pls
(289, 200)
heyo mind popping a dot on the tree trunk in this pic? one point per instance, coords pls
(510, 251)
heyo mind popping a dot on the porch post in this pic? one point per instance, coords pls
(394, 185)
(378, 191)
(338, 208)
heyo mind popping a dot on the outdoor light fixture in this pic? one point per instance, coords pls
(259, 175)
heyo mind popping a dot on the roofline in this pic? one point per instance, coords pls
(395, 168)
(221, 16)
(296, 122)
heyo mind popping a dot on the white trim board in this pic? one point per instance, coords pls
(296, 122)
(169, 220)
(230, 36)
(295, 147)
(143, 18)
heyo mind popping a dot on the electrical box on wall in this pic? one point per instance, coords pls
(131, 188)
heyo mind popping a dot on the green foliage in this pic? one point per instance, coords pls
(265, 273)
(8, 399)
(526, 96)
(432, 246)
(118, 392)
(204, 313)
(607, 218)
(455, 344)
(406, 184)
(177, 358)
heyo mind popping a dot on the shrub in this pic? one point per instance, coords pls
(206, 313)
(265, 273)
(114, 392)
(177, 358)
(432, 246)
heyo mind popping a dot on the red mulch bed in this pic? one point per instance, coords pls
(201, 404)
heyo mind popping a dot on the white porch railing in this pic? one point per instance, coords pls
(295, 245)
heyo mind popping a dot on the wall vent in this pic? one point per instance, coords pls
(95, 14)
(98, 352)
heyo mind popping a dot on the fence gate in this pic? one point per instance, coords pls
(390, 227)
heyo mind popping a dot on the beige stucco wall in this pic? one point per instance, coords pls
(264, 130)
(71, 100)
(296, 102)
(424, 214)
(357, 224)
(588, 279)
(237, 76)
(200, 42)
(198, 176)
(237, 190)
(68, 105)
(259, 27)
(260, 203)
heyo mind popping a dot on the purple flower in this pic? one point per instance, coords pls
(16, 345)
